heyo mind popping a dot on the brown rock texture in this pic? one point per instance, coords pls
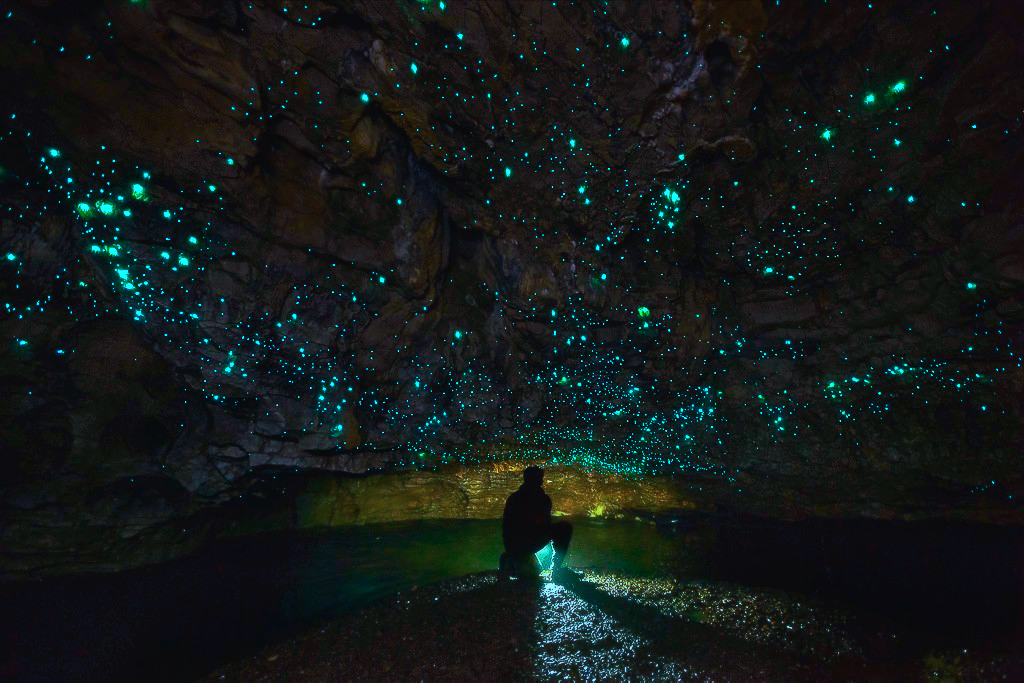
(776, 247)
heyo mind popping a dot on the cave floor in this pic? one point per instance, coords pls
(711, 598)
(600, 625)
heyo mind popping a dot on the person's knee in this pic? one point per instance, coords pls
(561, 533)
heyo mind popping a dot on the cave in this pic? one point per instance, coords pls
(295, 290)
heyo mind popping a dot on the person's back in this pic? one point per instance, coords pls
(526, 520)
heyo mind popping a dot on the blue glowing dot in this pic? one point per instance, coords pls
(625, 41)
(572, 143)
(870, 99)
(459, 36)
(458, 334)
(55, 153)
(167, 214)
(364, 97)
(11, 257)
(826, 135)
(508, 172)
(381, 279)
(910, 199)
(413, 67)
(972, 285)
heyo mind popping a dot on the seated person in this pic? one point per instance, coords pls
(526, 528)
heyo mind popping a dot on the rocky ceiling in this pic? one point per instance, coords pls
(755, 242)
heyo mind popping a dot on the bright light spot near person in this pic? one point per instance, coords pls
(508, 172)
(972, 285)
(644, 312)
(826, 135)
(899, 86)
(870, 99)
(544, 556)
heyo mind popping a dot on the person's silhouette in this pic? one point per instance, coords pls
(526, 527)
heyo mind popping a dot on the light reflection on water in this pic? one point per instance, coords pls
(963, 583)
(338, 569)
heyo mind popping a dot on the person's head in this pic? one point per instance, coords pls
(533, 476)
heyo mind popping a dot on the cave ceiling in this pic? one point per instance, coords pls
(701, 237)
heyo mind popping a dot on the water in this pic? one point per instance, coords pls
(937, 585)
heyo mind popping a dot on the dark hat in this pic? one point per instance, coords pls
(533, 475)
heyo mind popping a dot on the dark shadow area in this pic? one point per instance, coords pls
(178, 620)
(937, 584)
(942, 583)
(704, 643)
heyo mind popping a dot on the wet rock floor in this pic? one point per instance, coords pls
(596, 625)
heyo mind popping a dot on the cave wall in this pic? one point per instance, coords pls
(772, 246)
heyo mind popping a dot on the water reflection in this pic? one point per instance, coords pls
(743, 579)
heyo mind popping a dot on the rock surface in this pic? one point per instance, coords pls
(780, 247)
